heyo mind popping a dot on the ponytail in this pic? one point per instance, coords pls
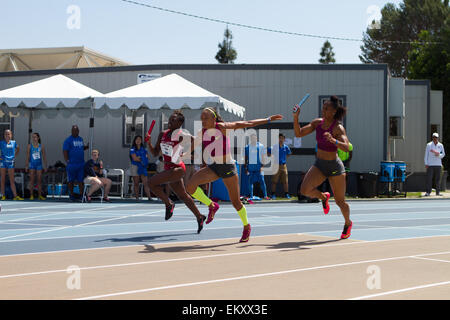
(340, 109)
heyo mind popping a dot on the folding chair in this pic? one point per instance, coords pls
(118, 176)
(86, 190)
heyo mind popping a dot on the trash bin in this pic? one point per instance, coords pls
(352, 184)
(400, 171)
(367, 184)
(387, 171)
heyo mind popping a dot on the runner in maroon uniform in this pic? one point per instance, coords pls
(174, 168)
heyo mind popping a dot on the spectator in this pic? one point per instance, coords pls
(73, 149)
(255, 156)
(281, 153)
(139, 162)
(36, 164)
(434, 152)
(93, 172)
(9, 150)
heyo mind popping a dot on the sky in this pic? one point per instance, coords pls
(141, 35)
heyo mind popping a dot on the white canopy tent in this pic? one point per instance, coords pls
(50, 94)
(171, 91)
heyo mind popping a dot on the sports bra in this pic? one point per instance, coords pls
(322, 142)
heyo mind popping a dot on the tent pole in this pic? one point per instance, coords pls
(91, 127)
(30, 124)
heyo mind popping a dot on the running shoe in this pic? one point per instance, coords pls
(246, 234)
(287, 196)
(31, 198)
(106, 199)
(88, 199)
(347, 231)
(18, 198)
(169, 211)
(42, 198)
(212, 212)
(200, 223)
(325, 204)
(3, 197)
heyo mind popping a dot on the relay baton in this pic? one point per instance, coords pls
(301, 103)
(150, 130)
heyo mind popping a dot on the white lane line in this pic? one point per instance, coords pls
(182, 259)
(115, 294)
(372, 228)
(75, 226)
(402, 290)
(429, 259)
(353, 242)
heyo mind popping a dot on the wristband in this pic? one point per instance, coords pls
(268, 120)
(337, 141)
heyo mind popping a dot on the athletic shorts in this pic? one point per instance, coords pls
(281, 175)
(223, 170)
(35, 166)
(136, 171)
(330, 168)
(7, 164)
(75, 172)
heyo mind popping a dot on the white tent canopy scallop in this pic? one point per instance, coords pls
(171, 91)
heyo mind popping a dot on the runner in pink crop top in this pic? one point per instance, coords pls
(209, 139)
(322, 142)
(327, 164)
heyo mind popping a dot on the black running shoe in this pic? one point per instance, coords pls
(200, 223)
(169, 211)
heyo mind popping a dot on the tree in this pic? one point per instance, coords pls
(391, 42)
(327, 53)
(432, 61)
(226, 54)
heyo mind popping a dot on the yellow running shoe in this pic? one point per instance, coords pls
(42, 198)
(18, 198)
(3, 197)
(31, 197)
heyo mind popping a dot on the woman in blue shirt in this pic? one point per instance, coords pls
(37, 163)
(9, 150)
(139, 162)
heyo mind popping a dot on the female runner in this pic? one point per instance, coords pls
(174, 168)
(222, 164)
(330, 136)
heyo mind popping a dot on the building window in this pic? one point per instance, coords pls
(5, 123)
(434, 128)
(129, 133)
(342, 99)
(395, 127)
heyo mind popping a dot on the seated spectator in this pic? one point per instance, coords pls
(93, 175)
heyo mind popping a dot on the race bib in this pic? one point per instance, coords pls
(166, 149)
(36, 155)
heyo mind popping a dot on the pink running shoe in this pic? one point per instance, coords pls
(347, 231)
(246, 234)
(325, 204)
(212, 212)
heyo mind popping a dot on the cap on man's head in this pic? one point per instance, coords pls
(435, 135)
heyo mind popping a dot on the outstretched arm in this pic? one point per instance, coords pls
(249, 123)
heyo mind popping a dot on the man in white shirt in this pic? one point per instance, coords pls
(434, 152)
